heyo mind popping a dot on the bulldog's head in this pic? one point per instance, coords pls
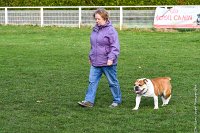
(140, 86)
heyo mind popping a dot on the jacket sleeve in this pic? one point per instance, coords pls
(114, 44)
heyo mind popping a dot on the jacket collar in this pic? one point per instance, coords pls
(96, 28)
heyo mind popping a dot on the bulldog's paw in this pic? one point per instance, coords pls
(135, 109)
(164, 104)
(156, 108)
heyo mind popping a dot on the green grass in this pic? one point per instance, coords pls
(44, 73)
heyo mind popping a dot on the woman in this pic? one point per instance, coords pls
(103, 58)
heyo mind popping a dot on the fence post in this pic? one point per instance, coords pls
(121, 17)
(41, 17)
(6, 15)
(79, 18)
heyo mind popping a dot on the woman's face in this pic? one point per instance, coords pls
(99, 20)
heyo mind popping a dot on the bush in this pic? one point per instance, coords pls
(95, 2)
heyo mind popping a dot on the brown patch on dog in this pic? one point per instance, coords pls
(162, 86)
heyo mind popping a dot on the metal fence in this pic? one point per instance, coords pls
(77, 16)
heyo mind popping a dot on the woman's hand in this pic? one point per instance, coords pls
(109, 62)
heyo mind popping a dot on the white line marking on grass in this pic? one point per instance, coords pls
(195, 109)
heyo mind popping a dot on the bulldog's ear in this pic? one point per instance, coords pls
(145, 81)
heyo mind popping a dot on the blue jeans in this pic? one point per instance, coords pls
(94, 78)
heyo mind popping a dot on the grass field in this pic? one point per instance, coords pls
(44, 73)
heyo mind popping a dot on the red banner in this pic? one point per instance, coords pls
(177, 17)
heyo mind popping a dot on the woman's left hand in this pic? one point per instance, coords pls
(109, 62)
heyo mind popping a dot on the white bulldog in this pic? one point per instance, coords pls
(153, 88)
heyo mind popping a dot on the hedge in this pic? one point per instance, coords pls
(4, 3)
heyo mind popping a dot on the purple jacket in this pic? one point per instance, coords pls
(104, 45)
